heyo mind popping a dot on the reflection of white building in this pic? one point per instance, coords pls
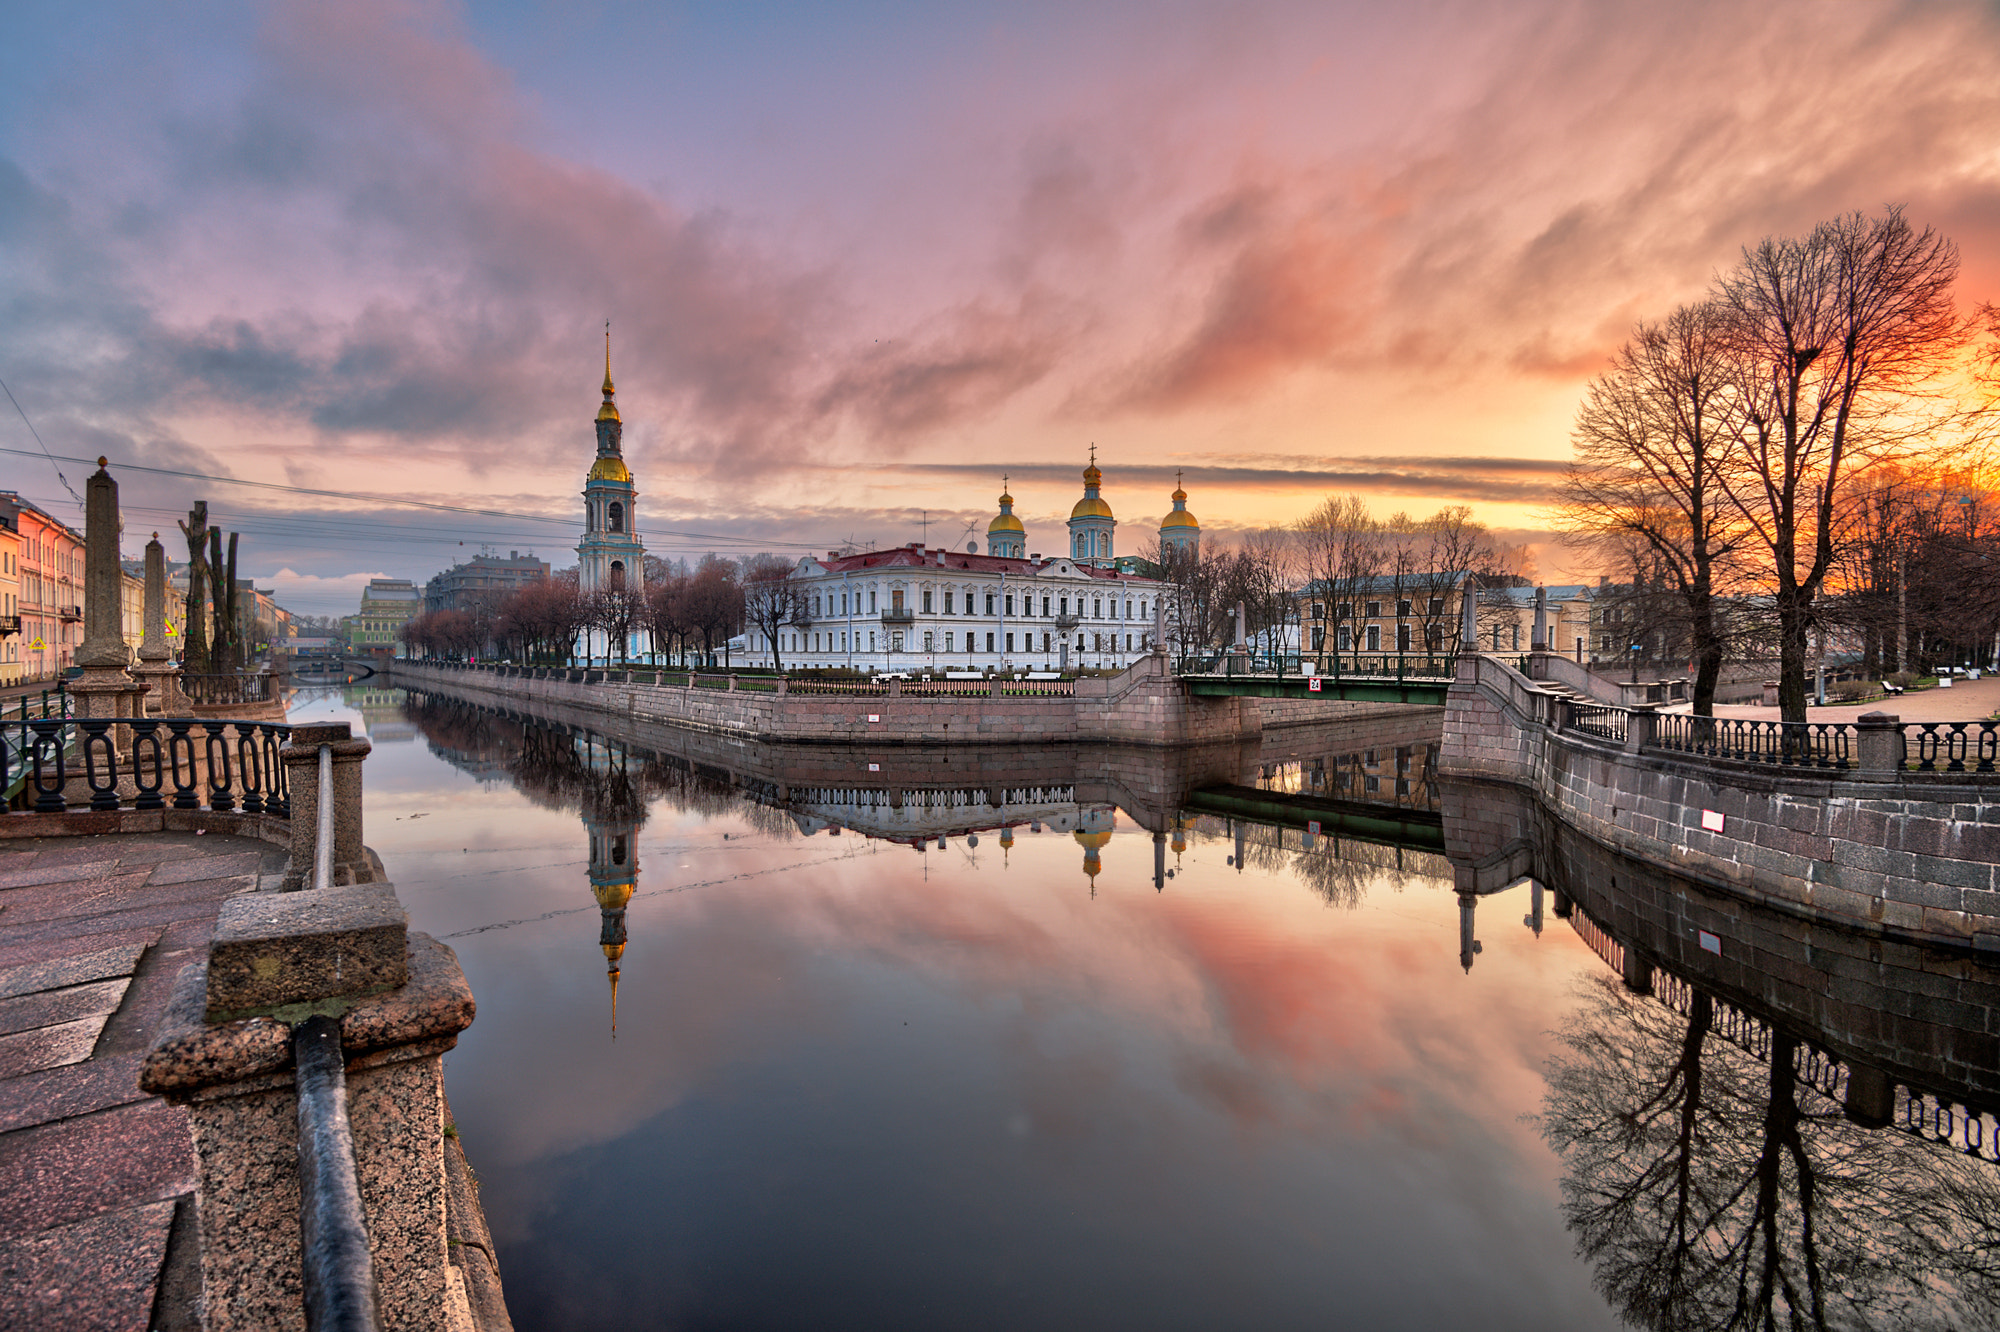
(931, 609)
(929, 819)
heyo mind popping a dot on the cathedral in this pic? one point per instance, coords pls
(921, 608)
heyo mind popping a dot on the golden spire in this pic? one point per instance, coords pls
(609, 411)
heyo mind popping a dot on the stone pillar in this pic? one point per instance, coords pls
(104, 690)
(1878, 746)
(156, 669)
(1638, 973)
(1639, 726)
(224, 1050)
(1159, 627)
(1540, 640)
(1871, 1096)
(1534, 917)
(1468, 617)
(1562, 905)
(1159, 861)
(351, 860)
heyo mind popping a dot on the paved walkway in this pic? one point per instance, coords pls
(96, 1178)
(1966, 700)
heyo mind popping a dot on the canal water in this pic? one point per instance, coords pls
(764, 1053)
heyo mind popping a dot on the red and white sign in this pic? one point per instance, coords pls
(1312, 826)
(1312, 683)
(875, 716)
(1711, 821)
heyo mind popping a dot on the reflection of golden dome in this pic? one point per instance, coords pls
(1007, 835)
(612, 952)
(1090, 507)
(1091, 839)
(613, 896)
(610, 468)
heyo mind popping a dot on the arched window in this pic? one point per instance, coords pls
(617, 569)
(617, 516)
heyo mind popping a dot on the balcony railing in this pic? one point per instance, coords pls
(168, 763)
(9, 624)
(899, 617)
(1065, 623)
(69, 614)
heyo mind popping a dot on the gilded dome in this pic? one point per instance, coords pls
(609, 411)
(610, 468)
(1090, 506)
(1179, 518)
(1005, 522)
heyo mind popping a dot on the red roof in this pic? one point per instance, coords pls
(906, 557)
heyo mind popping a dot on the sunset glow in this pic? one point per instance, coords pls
(861, 260)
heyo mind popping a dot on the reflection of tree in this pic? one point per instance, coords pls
(1712, 1188)
(601, 779)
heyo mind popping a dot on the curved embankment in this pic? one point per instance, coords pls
(1144, 705)
(1875, 848)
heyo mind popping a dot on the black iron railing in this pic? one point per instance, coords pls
(1330, 665)
(1952, 746)
(150, 763)
(1602, 721)
(227, 690)
(1745, 740)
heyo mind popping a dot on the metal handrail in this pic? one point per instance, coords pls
(340, 1290)
(323, 845)
(168, 762)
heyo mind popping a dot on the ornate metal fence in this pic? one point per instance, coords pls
(151, 763)
(1952, 746)
(227, 690)
(1787, 744)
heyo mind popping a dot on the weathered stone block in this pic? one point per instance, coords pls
(272, 949)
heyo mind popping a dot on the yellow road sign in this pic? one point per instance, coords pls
(38, 646)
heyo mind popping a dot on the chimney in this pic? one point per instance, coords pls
(1604, 580)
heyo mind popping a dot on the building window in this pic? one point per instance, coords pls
(1374, 638)
(927, 640)
(617, 575)
(1437, 605)
(1047, 642)
(871, 603)
(1402, 638)
(947, 641)
(1374, 609)
(1097, 608)
(1343, 611)
(1045, 611)
(617, 516)
(1346, 638)
(1010, 603)
(989, 603)
(1517, 638)
(1065, 605)
(1010, 642)
(927, 601)
(1319, 610)
(1319, 638)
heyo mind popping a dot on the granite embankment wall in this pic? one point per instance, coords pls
(1887, 851)
(1927, 1017)
(1143, 706)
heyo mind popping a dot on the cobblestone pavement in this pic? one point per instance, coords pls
(97, 1178)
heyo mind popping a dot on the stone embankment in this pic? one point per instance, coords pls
(1145, 705)
(1846, 831)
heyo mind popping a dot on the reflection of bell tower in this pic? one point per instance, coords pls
(612, 814)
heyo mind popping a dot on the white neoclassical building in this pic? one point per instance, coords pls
(922, 608)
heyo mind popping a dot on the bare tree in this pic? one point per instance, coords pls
(772, 601)
(1839, 339)
(1342, 556)
(1655, 441)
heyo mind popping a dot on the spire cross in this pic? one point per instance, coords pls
(1093, 453)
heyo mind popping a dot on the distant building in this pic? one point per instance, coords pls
(484, 580)
(387, 604)
(10, 597)
(50, 567)
(1507, 619)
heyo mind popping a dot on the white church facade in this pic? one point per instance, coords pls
(922, 608)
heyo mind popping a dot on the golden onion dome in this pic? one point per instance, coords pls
(1179, 518)
(612, 952)
(1090, 506)
(1005, 522)
(610, 468)
(1091, 476)
(609, 411)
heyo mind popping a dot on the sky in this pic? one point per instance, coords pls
(863, 260)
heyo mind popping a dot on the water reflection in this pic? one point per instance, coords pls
(891, 1079)
(1712, 1184)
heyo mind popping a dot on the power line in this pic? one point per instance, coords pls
(45, 448)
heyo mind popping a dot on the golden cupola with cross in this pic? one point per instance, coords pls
(1004, 535)
(1091, 526)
